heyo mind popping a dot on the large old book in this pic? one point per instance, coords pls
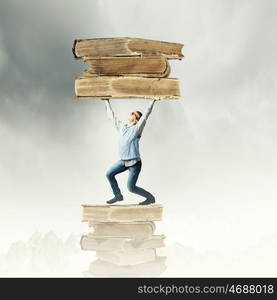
(122, 213)
(90, 242)
(126, 87)
(132, 257)
(119, 229)
(144, 66)
(106, 269)
(125, 46)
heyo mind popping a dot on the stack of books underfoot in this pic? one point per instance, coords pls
(123, 239)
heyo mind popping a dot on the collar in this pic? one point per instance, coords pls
(129, 125)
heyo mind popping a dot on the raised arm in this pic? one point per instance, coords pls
(110, 113)
(142, 121)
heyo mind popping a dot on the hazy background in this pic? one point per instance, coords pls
(209, 158)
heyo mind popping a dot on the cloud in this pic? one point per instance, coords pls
(46, 254)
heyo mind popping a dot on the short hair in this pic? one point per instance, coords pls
(140, 114)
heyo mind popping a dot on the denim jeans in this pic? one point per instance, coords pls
(134, 171)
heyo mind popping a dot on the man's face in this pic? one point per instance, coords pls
(133, 118)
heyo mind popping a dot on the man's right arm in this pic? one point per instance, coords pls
(110, 113)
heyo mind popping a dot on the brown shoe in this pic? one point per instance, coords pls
(147, 202)
(114, 199)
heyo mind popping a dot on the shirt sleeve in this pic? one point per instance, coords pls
(142, 121)
(110, 113)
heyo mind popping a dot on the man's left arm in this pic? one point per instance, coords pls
(142, 121)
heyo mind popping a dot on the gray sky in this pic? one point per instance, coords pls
(209, 157)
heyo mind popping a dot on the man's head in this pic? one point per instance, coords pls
(134, 117)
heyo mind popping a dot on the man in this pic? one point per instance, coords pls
(129, 136)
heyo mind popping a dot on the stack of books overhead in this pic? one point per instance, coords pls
(123, 239)
(126, 68)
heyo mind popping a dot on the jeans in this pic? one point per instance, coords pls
(134, 171)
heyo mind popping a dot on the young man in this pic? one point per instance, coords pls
(129, 136)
